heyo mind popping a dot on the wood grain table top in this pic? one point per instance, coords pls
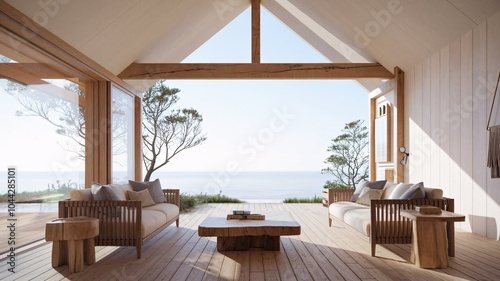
(445, 216)
(277, 223)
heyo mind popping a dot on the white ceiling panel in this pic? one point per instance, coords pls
(116, 33)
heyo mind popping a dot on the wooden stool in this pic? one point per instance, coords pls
(73, 241)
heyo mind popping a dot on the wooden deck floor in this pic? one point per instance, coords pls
(319, 253)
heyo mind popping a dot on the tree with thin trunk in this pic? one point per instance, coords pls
(349, 160)
(166, 131)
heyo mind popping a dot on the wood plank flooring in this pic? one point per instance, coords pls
(28, 227)
(319, 253)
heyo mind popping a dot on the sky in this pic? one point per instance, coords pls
(265, 125)
(251, 125)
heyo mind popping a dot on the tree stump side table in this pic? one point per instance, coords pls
(429, 243)
(73, 241)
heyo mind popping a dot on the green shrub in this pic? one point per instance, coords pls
(330, 184)
(53, 193)
(315, 199)
(188, 201)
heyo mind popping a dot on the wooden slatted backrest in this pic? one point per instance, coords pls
(119, 221)
(388, 226)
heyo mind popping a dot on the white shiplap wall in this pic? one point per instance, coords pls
(448, 98)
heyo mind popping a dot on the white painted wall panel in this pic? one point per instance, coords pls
(444, 133)
(435, 116)
(426, 122)
(479, 139)
(466, 111)
(410, 123)
(416, 159)
(453, 118)
(493, 67)
(448, 98)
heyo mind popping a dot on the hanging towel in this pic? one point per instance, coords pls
(494, 151)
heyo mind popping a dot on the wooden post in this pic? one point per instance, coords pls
(373, 115)
(138, 138)
(399, 78)
(255, 31)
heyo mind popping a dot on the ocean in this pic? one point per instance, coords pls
(252, 187)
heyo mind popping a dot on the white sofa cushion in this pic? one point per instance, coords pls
(399, 190)
(151, 221)
(414, 192)
(338, 209)
(388, 191)
(358, 216)
(359, 219)
(169, 210)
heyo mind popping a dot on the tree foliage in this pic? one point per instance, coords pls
(349, 160)
(166, 131)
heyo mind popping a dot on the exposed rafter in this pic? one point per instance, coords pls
(138, 71)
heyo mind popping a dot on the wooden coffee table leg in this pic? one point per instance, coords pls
(243, 243)
(233, 243)
(272, 243)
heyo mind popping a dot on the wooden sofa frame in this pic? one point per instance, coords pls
(387, 226)
(125, 228)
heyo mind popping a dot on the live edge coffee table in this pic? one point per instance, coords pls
(240, 235)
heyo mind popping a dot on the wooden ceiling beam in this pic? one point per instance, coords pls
(152, 71)
(41, 70)
(14, 71)
(255, 31)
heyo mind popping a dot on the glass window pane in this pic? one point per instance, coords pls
(122, 133)
(43, 127)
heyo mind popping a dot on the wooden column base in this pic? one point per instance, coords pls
(243, 243)
(429, 244)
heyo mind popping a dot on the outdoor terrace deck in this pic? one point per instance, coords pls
(319, 253)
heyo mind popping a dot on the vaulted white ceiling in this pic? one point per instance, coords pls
(116, 33)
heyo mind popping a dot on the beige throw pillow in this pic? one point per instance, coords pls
(154, 188)
(367, 194)
(142, 196)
